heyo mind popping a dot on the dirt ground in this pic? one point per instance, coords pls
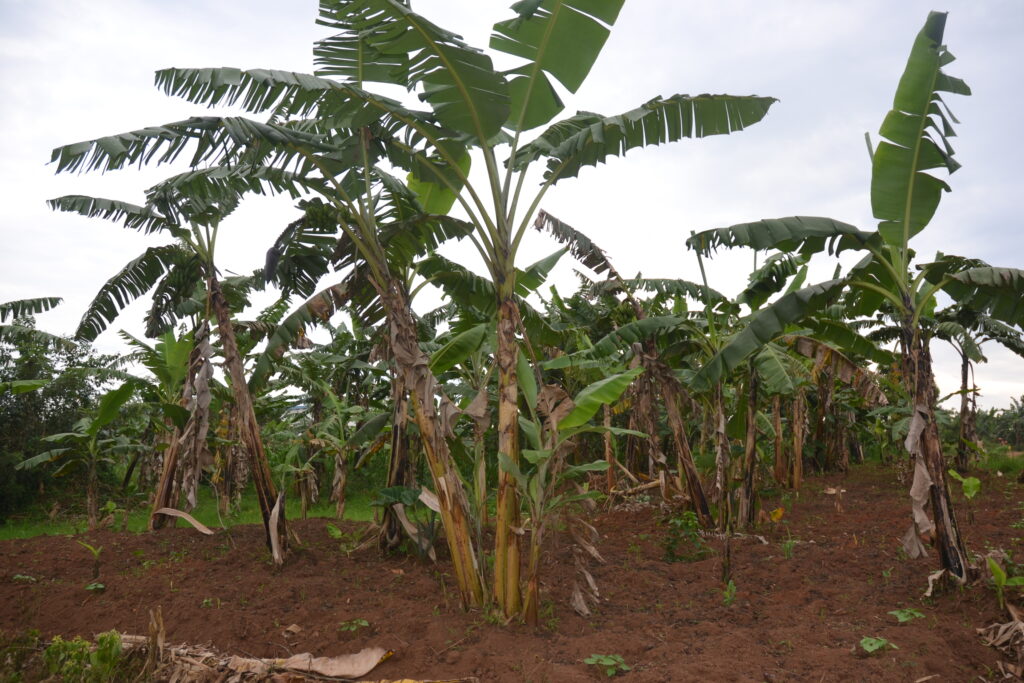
(793, 618)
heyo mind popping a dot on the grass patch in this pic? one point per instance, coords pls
(1002, 459)
(36, 523)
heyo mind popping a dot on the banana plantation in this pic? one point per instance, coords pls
(461, 471)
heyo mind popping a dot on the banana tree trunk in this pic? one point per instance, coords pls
(166, 488)
(434, 429)
(924, 444)
(722, 458)
(507, 550)
(609, 452)
(781, 469)
(799, 427)
(747, 493)
(248, 428)
(671, 393)
(962, 449)
(398, 465)
(92, 494)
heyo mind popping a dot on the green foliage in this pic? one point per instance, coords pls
(353, 625)
(971, 485)
(1000, 579)
(612, 665)
(729, 594)
(787, 548)
(872, 644)
(70, 391)
(906, 614)
(78, 660)
(682, 541)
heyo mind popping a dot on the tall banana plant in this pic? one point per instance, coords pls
(904, 196)
(189, 209)
(330, 127)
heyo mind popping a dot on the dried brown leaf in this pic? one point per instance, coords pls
(344, 666)
(199, 526)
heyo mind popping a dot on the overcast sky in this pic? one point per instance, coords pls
(72, 70)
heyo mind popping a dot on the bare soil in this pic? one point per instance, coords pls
(793, 619)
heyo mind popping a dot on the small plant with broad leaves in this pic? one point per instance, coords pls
(872, 644)
(95, 552)
(612, 665)
(970, 485)
(906, 614)
(1001, 579)
(79, 660)
(350, 540)
(683, 542)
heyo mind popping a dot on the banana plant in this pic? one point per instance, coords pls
(967, 331)
(188, 207)
(641, 328)
(330, 127)
(904, 197)
(87, 446)
(553, 421)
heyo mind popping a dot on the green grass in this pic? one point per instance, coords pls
(37, 524)
(999, 459)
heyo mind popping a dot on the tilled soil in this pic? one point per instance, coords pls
(793, 618)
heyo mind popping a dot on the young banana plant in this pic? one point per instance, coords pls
(904, 197)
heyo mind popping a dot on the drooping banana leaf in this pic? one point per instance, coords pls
(632, 333)
(588, 139)
(580, 246)
(20, 308)
(770, 279)
(996, 291)
(805, 235)
(319, 307)
(765, 326)
(218, 139)
(131, 282)
(347, 53)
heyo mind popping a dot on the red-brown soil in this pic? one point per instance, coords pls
(792, 620)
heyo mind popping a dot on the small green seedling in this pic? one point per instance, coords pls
(729, 594)
(971, 485)
(886, 573)
(612, 664)
(350, 541)
(1001, 581)
(210, 603)
(871, 645)
(353, 625)
(906, 614)
(23, 578)
(787, 548)
(95, 557)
